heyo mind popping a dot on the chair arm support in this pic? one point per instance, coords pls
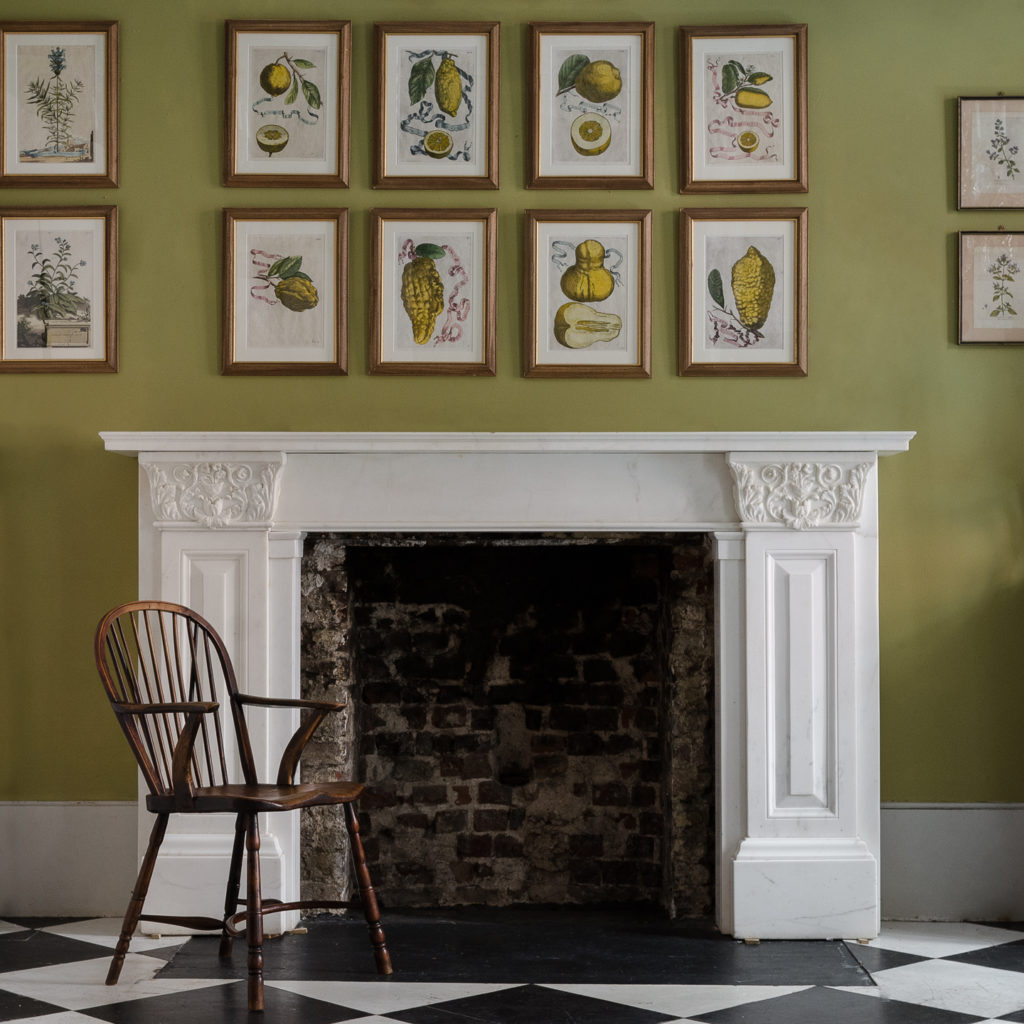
(181, 764)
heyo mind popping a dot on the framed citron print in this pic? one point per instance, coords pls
(436, 105)
(991, 287)
(991, 161)
(285, 291)
(58, 289)
(60, 103)
(744, 102)
(288, 103)
(434, 282)
(587, 293)
(744, 288)
(591, 100)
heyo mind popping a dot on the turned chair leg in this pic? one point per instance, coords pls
(138, 898)
(234, 883)
(254, 912)
(369, 898)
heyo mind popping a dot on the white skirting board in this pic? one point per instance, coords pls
(943, 862)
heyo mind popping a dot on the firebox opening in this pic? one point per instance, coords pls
(532, 714)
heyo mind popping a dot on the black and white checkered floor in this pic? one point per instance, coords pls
(517, 967)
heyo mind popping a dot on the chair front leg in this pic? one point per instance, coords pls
(138, 898)
(234, 881)
(254, 912)
(366, 891)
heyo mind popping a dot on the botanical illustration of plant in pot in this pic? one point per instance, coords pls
(51, 312)
(590, 107)
(746, 320)
(56, 101)
(440, 93)
(289, 105)
(434, 281)
(743, 120)
(589, 282)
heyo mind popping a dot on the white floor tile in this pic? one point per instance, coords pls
(685, 1000)
(387, 996)
(941, 938)
(70, 1017)
(6, 927)
(949, 985)
(105, 931)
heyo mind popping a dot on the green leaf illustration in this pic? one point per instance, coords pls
(285, 267)
(312, 94)
(435, 252)
(299, 62)
(715, 288)
(293, 92)
(421, 78)
(299, 274)
(570, 68)
(731, 75)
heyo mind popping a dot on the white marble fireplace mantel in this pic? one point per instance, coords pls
(794, 521)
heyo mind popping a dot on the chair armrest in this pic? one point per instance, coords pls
(289, 702)
(183, 707)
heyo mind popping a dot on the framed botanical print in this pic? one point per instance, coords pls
(58, 289)
(744, 103)
(287, 104)
(744, 289)
(990, 162)
(587, 293)
(436, 103)
(60, 103)
(285, 292)
(433, 292)
(991, 287)
(591, 105)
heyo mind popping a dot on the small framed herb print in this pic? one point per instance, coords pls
(588, 293)
(285, 292)
(433, 292)
(744, 98)
(991, 287)
(744, 288)
(59, 109)
(591, 105)
(58, 289)
(436, 103)
(991, 164)
(287, 103)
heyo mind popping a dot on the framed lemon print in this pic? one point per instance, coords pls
(436, 103)
(287, 105)
(588, 293)
(591, 99)
(744, 289)
(744, 103)
(434, 283)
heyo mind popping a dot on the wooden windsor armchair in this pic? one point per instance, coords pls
(166, 671)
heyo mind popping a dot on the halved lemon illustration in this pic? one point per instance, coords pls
(271, 138)
(591, 134)
(748, 141)
(438, 143)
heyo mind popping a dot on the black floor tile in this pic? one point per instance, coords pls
(528, 1004)
(520, 947)
(1007, 957)
(827, 1006)
(20, 951)
(223, 1003)
(15, 1007)
(874, 958)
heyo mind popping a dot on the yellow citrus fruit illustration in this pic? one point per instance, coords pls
(748, 141)
(599, 81)
(275, 79)
(438, 143)
(591, 134)
(296, 294)
(753, 99)
(271, 138)
(422, 297)
(579, 326)
(448, 87)
(753, 283)
(588, 280)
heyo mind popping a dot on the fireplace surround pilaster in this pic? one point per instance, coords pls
(793, 517)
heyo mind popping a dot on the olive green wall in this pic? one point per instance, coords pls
(884, 77)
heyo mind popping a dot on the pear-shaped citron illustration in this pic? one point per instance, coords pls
(753, 283)
(423, 291)
(448, 87)
(588, 280)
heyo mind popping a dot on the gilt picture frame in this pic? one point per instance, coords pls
(991, 306)
(285, 292)
(59, 112)
(591, 105)
(990, 164)
(743, 94)
(287, 108)
(58, 289)
(744, 292)
(587, 294)
(436, 105)
(434, 281)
